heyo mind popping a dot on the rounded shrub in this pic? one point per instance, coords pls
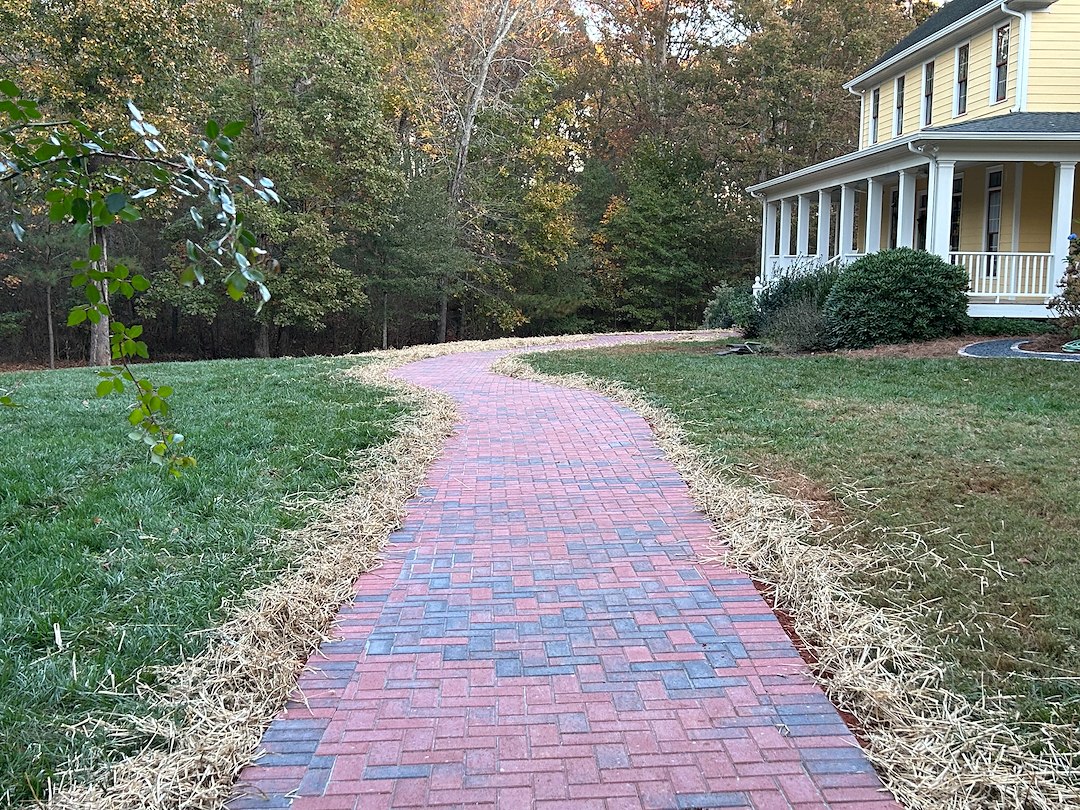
(896, 296)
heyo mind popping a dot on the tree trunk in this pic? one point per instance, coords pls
(262, 341)
(385, 299)
(52, 327)
(441, 335)
(100, 348)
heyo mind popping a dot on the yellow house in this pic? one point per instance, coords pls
(968, 147)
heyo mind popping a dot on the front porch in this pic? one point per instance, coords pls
(1005, 218)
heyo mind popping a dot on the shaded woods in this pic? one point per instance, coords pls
(448, 168)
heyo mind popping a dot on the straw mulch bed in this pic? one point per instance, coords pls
(934, 749)
(228, 695)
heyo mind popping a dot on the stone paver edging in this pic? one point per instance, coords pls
(542, 634)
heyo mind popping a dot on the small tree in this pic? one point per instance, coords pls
(86, 180)
(1067, 303)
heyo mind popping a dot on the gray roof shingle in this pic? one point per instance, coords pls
(951, 12)
(1020, 122)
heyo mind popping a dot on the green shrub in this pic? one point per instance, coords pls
(897, 296)
(797, 326)
(728, 307)
(993, 327)
(801, 283)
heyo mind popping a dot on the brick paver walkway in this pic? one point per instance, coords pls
(541, 635)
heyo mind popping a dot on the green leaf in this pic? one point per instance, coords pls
(80, 209)
(116, 202)
(76, 316)
(140, 283)
(136, 416)
(134, 331)
(233, 129)
(9, 88)
(165, 391)
(212, 129)
(104, 388)
(95, 253)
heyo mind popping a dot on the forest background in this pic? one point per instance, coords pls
(448, 169)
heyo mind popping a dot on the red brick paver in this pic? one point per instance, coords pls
(541, 635)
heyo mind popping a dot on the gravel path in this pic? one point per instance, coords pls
(1012, 348)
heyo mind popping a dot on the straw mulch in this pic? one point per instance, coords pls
(934, 749)
(227, 696)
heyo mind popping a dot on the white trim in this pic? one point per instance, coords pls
(957, 176)
(875, 114)
(956, 80)
(864, 125)
(1018, 192)
(1033, 311)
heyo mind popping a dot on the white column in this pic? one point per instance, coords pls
(824, 224)
(939, 205)
(905, 210)
(785, 227)
(768, 239)
(874, 191)
(802, 235)
(847, 219)
(1061, 223)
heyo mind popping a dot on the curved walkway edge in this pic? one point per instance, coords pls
(542, 635)
(1011, 349)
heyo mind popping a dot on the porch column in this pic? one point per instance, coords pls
(824, 224)
(802, 235)
(847, 219)
(785, 227)
(1061, 223)
(905, 210)
(874, 190)
(768, 239)
(940, 209)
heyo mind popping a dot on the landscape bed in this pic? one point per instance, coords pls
(966, 467)
(113, 570)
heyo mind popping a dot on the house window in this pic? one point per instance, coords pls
(1001, 63)
(898, 121)
(928, 94)
(921, 222)
(961, 79)
(957, 207)
(875, 109)
(993, 216)
(894, 217)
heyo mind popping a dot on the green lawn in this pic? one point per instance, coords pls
(127, 563)
(987, 449)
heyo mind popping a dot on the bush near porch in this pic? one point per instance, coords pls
(969, 461)
(893, 296)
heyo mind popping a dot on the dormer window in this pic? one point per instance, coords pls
(928, 94)
(875, 109)
(898, 120)
(1001, 63)
(962, 54)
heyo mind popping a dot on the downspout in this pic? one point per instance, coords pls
(1022, 59)
(862, 111)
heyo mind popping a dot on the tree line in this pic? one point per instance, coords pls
(447, 169)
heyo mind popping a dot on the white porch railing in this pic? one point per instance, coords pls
(1006, 275)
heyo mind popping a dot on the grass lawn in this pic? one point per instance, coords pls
(987, 449)
(129, 564)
